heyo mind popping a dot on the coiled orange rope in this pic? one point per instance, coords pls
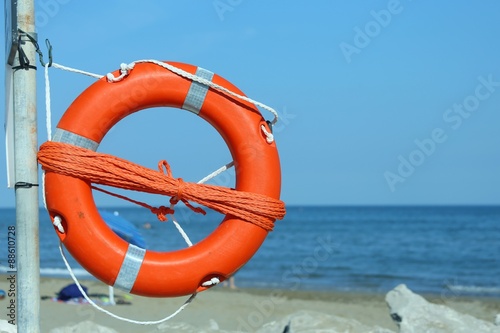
(104, 169)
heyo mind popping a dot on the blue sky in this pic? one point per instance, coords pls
(382, 102)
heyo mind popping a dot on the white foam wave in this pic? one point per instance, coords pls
(474, 289)
(63, 272)
(53, 272)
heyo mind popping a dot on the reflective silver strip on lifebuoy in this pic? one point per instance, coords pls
(197, 92)
(130, 268)
(64, 136)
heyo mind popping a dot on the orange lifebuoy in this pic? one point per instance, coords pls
(147, 272)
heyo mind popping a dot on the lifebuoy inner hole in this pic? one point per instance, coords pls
(191, 146)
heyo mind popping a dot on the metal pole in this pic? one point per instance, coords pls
(26, 176)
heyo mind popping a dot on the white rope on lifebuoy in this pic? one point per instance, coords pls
(212, 282)
(88, 299)
(57, 222)
(126, 69)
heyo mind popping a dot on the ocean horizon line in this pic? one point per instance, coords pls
(428, 205)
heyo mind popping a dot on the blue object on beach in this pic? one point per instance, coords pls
(123, 228)
(70, 291)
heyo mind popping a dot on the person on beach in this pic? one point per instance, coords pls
(229, 283)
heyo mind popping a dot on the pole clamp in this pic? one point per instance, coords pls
(24, 62)
(24, 185)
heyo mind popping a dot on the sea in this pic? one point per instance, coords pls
(441, 250)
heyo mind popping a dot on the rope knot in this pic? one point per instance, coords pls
(178, 197)
(161, 212)
(180, 189)
(124, 71)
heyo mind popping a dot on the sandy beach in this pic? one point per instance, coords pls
(241, 310)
